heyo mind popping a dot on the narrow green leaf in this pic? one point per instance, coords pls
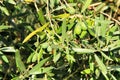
(86, 4)
(41, 16)
(64, 30)
(105, 56)
(11, 1)
(99, 7)
(114, 68)
(4, 57)
(35, 57)
(114, 78)
(40, 54)
(4, 10)
(63, 6)
(70, 9)
(111, 48)
(38, 66)
(29, 59)
(19, 62)
(56, 57)
(102, 67)
(42, 70)
(15, 78)
(3, 27)
(92, 32)
(83, 51)
(70, 58)
(7, 49)
(34, 32)
(83, 34)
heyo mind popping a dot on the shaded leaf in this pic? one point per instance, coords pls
(3, 27)
(114, 68)
(41, 16)
(19, 61)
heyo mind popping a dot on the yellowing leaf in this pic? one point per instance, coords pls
(34, 32)
(29, 1)
(62, 16)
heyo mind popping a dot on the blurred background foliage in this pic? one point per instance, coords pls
(60, 39)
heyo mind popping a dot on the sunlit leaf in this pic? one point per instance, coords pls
(107, 57)
(8, 49)
(86, 71)
(4, 10)
(4, 57)
(86, 4)
(34, 32)
(11, 1)
(101, 65)
(83, 51)
(56, 57)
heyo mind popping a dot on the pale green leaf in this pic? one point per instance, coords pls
(3, 27)
(7, 49)
(12, 1)
(4, 10)
(64, 27)
(101, 65)
(83, 51)
(56, 57)
(114, 68)
(86, 4)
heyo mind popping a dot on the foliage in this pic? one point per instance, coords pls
(59, 39)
